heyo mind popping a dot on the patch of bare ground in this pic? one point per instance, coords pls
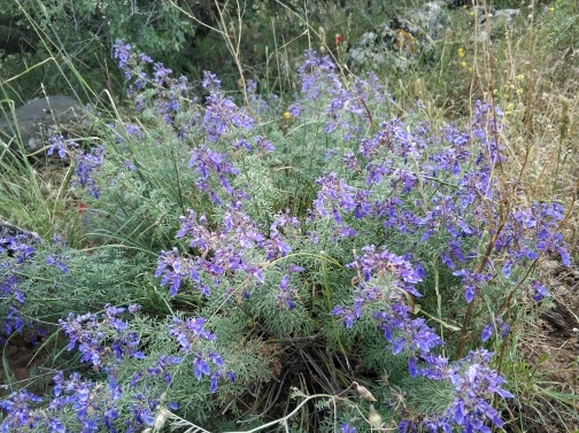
(23, 362)
(550, 349)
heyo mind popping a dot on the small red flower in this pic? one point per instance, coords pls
(339, 39)
(81, 207)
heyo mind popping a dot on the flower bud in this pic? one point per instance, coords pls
(374, 417)
(363, 392)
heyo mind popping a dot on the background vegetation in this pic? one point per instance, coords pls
(218, 253)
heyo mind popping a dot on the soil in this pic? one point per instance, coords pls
(550, 348)
(25, 361)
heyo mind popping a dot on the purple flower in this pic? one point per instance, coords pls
(263, 144)
(471, 282)
(286, 294)
(475, 386)
(55, 426)
(161, 74)
(133, 129)
(487, 332)
(20, 246)
(13, 322)
(210, 81)
(221, 114)
(143, 59)
(86, 164)
(277, 244)
(333, 197)
(200, 367)
(122, 52)
(98, 338)
(161, 368)
(59, 262)
(213, 382)
(58, 144)
(316, 75)
(189, 332)
(295, 109)
(19, 413)
(213, 169)
(172, 268)
(496, 324)
(539, 290)
(348, 315)
(346, 428)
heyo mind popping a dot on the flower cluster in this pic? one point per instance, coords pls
(223, 252)
(77, 405)
(165, 92)
(58, 261)
(57, 144)
(441, 188)
(92, 405)
(320, 83)
(221, 113)
(385, 282)
(16, 247)
(475, 385)
(102, 340)
(188, 333)
(20, 415)
(87, 162)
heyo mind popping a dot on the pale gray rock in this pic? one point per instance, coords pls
(403, 41)
(501, 20)
(39, 119)
(432, 18)
(493, 23)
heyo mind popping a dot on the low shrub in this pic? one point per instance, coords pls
(237, 256)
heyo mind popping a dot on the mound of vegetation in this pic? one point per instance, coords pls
(315, 250)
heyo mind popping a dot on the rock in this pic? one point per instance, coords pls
(38, 120)
(369, 50)
(500, 20)
(493, 22)
(398, 42)
(432, 18)
(403, 40)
